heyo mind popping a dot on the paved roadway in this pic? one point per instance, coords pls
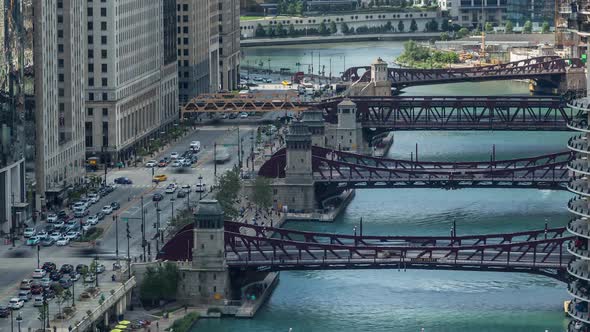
(18, 263)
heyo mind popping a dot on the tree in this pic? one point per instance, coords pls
(281, 30)
(432, 26)
(333, 28)
(42, 315)
(489, 28)
(322, 29)
(528, 27)
(463, 32)
(270, 32)
(545, 27)
(403, 4)
(259, 31)
(413, 26)
(400, 26)
(160, 284)
(388, 26)
(292, 31)
(444, 26)
(344, 28)
(371, 4)
(262, 192)
(444, 36)
(508, 28)
(229, 187)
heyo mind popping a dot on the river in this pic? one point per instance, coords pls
(404, 301)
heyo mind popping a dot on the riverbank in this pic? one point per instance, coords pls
(254, 42)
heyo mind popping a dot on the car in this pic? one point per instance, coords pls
(181, 194)
(86, 227)
(42, 234)
(55, 236)
(196, 145)
(233, 115)
(151, 163)
(162, 163)
(268, 80)
(65, 283)
(100, 215)
(16, 303)
(37, 289)
(123, 180)
(72, 235)
(171, 188)
(81, 268)
(243, 115)
(30, 232)
(51, 218)
(107, 209)
(160, 178)
(92, 220)
(86, 202)
(100, 268)
(157, 197)
(67, 268)
(81, 212)
(258, 79)
(55, 275)
(200, 187)
(63, 241)
(58, 224)
(25, 295)
(188, 162)
(176, 163)
(186, 188)
(39, 273)
(74, 276)
(61, 214)
(38, 301)
(33, 241)
(90, 277)
(45, 282)
(49, 293)
(26, 284)
(115, 205)
(47, 242)
(49, 266)
(93, 198)
(4, 311)
(173, 155)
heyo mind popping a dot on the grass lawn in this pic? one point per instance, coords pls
(250, 18)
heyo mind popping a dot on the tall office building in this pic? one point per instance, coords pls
(131, 90)
(59, 61)
(208, 46)
(13, 200)
(475, 13)
(169, 81)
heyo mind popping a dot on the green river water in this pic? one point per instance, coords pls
(392, 300)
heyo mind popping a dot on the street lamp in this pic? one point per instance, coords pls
(38, 260)
(96, 270)
(116, 220)
(200, 187)
(19, 319)
(172, 201)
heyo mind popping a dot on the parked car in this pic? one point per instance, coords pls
(67, 269)
(59, 224)
(49, 266)
(201, 187)
(30, 232)
(115, 205)
(65, 283)
(173, 155)
(26, 284)
(45, 282)
(123, 180)
(61, 214)
(74, 276)
(37, 289)
(157, 197)
(100, 268)
(51, 218)
(47, 242)
(72, 235)
(160, 178)
(63, 241)
(42, 234)
(15, 303)
(151, 163)
(55, 275)
(181, 194)
(92, 220)
(33, 241)
(176, 163)
(90, 277)
(107, 209)
(25, 295)
(171, 188)
(4, 311)
(243, 115)
(39, 273)
(196, 146)
(38, 301)
(81, 268)
(55, 236)
(162, 163)
(100, 215)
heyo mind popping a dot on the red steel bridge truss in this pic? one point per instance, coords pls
(267, 248)
(334, 171)
(548, 67)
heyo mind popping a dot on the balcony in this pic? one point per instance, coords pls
(580, 166)
(579, 269)
(580, 104)
(579, 290)
(579, 226)
(579, 186)
(579, 252)
(582, 316)
(579, 125)
(578, 143)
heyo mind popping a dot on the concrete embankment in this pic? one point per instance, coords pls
(338, 39)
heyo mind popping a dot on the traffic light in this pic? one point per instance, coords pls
(128, 232)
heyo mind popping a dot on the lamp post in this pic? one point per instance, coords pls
(102, 150)
(143, 230)
(19, 319)
(96, 270)
(188, 199)
(116, 219)
(11, 321)
(73, 293)
(157, 228)
(38, 258)
(200, 187)
(172, 201)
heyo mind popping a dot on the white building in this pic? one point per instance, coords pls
(129, 95)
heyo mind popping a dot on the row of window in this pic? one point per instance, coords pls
(338, 19)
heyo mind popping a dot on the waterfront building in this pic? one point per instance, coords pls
(476, 13)
(59, 62)
(229, 44)
(13, 197)
(572, 26)
(131, 91)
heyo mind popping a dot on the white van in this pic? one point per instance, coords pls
(196, 146)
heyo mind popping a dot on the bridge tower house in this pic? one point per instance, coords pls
(296, 192)
(379, 84)
(207, 279)
(347, 134)
(314, 119)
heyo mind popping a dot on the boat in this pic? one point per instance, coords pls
(566, 305)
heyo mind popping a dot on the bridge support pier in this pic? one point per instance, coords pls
(347, 134)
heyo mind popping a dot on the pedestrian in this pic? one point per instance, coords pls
(185, 308)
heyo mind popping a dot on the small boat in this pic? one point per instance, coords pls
(566, 305)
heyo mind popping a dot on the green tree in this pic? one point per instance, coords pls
(545, 27)
(270, 32)
(259, 31)
(323, 30)
(281, 30)
(528, 27)
(42, 315)
(403, 4)
(445, 26)
(262, 192)
(489, 28)
(432, 26)
(229, 187)
(333, 28)
(388, 26)
(159, 284)
(413, 26)
(400, 26)
(463, 32)
(344, 28)
(444, 36)
(508, 28)
(292, 31)
(371, 4)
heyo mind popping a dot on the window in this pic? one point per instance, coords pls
(90, 81)
(90, 26)
(103, 26)
(90, 111)
(90, 96)
(91, 67)
(105, 96)
(89, 12)
(105, 81)
(61, 77)
(104, 68)
(103, 12)
(103, 40)
(90, 54)
(90, 40)
(105, 112)
(211, 236)
(103, 54)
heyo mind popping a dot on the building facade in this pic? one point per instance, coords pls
(129, 94)
(13, 196)
(476, 13)
(229, 44)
